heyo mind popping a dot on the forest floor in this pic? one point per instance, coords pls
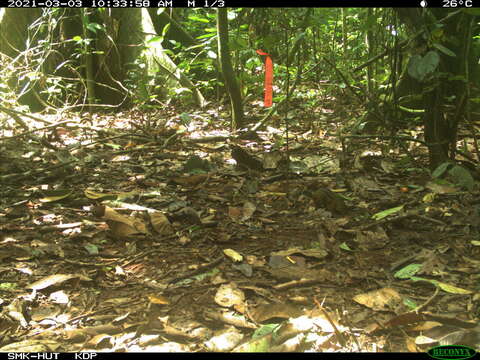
(140, 232)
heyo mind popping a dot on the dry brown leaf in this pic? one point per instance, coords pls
(123, 226)
(379, 300)
(192, 180)
(158, 300)
(161, 224)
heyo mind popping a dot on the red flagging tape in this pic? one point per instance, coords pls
(268, 86)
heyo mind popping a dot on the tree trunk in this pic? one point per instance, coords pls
(227, 69)
(369, 37)
(444, 95)
(176, 31)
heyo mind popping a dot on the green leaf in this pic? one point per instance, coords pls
(410, 303)
(453, 289)
(185, 119)
(408, 271)
(93, 27)
(419, 67)
(92, 249)
(264, 330)
(430, 61)
(383, 214)
(444, 50)
(440, 170)
(165, 29)
(462, 177)
(155, 39)
(344, 246)
(206, 36)
(198, 19)
(413, 66)
(8, 286)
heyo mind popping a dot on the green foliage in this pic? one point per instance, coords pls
(457, 174)
(408, 271)
(421, 66)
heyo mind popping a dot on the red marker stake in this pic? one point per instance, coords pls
(268, 86)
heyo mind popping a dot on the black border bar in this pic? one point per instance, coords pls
(447, 4)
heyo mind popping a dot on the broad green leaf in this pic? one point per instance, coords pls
(440, 169)
(264, 330)
(383, 214)
(429, 63)
(453, 289)
(93, 27)
(413, 66)
(408, 271)
(419, 67)
(444, 50)
(462, 177)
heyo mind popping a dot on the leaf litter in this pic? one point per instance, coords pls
(163, 240)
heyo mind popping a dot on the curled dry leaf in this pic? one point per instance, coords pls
(233, 255)
(123, 226)
(161, 224)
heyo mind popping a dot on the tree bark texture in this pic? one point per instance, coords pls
(231, 82)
